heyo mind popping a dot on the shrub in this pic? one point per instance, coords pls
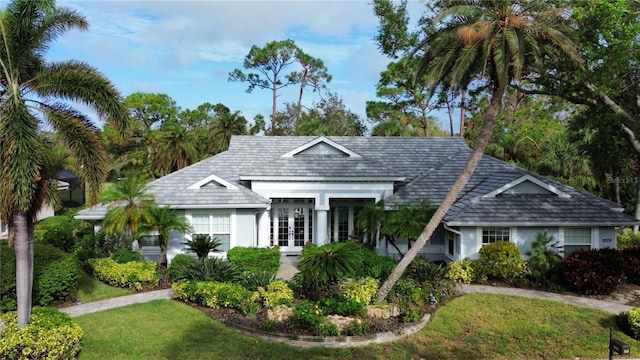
(340, 305)
(631, 265)
(58, 282)
(406, 294)
(178, 265)
(202, 245)
(593, 271)
(544, 261)
(55, 276)
(326, 264)
(216, 295)
(411, 315)
(327, 329)
(437, 291)
(307, 315)
(373, 265)
(277, 293)
(461, 271)
(50, 334)
(501, 260)
(96, 245)
(360, 290)
(58, 231)
(209, 269)
(124, 255)
(421, 270)
(253, 281)
(357, 328)
(255, 260)
(133, 275)
(629, 322)
(627, 239)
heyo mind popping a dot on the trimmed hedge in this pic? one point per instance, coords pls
(178, 265)
(502, 260)
(133, 275)
(461, 271)
(55, 276)
(216, 295)
(49, 335)
(593, 271)
(253, 260)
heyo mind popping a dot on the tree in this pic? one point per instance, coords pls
(177, 148)
(497, 41)
(270, 62)
(224, 126)
(128, 204)
(330, 117)
(27, 29)
(161, 220)
(151, 110)
(314, 74)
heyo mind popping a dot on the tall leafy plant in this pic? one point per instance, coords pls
(328, 263)
(202, 245)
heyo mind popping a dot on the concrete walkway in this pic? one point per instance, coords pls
(288, 269)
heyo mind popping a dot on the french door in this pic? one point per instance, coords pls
(292, 226)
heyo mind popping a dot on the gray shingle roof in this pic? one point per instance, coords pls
(429, 167)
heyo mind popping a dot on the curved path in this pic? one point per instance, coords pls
(608, 306)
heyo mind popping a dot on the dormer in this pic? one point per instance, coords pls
(527, 185)
(321, 146)
(213, 180)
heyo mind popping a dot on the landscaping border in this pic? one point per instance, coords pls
(331, 341)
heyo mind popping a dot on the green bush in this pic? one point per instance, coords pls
(501, 260)
(55, 276)
(406, 294)
(421, 270)
(254, 260)
(95, 245)
(461, 271)
(327, 329)
(544, 261)
(307, 315)
(629, 322)
(124, 255)
(58, 231)
(50, 334)
(253, 281)
(627, 239)
(133, 275)
(277, 293)
(360, 290)
(326, 264)
(209, 269)
(178, 265)
(216, 295)
(340, 305)
(357, 328)
(373, 265)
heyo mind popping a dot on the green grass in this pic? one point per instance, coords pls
(90, 289)
(475, 326)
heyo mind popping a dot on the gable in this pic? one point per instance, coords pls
(323, 147)
(212, 181)
(527, 188)
(527, 185)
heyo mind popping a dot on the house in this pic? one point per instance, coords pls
(288, 191)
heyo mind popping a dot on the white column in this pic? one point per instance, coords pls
(321, 227)
(263, 228)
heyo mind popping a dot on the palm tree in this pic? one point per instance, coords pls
(177, 148)
(162, 220)
(34, 92)
(129, 205)
(224, 126)
(495, 41)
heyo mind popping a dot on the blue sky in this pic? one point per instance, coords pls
(187, 48)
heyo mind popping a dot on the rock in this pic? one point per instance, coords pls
(280, 313)
(382, 311)
(1, 327)
(341, 322)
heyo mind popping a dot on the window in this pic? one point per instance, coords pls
(150, 240)
(450, 243)
(576, 238)
(4, 229)
(493, 234)
(215, 225)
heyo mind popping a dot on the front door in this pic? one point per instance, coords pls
(292, 226)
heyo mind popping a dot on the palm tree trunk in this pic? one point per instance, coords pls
(462, 111)
(24, 267)
(635, 227)
(489, 121)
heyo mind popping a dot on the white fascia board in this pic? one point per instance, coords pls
(322, 178)
(260, 187)
(527, 177)
(536, 224)
(221, 206)
(211, 178)
(89, 217)
(317, 141)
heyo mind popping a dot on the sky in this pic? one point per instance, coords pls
(186, 49)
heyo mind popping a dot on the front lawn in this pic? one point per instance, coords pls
(90, 289)
(474, 326)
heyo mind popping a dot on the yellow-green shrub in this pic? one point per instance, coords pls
(133, 275)
(216, 295)
(634, 321)
(49, 335)
(501, 260)
(460, 271)
(361, 290)
(277, 293)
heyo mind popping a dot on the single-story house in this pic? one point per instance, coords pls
(291, 190)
